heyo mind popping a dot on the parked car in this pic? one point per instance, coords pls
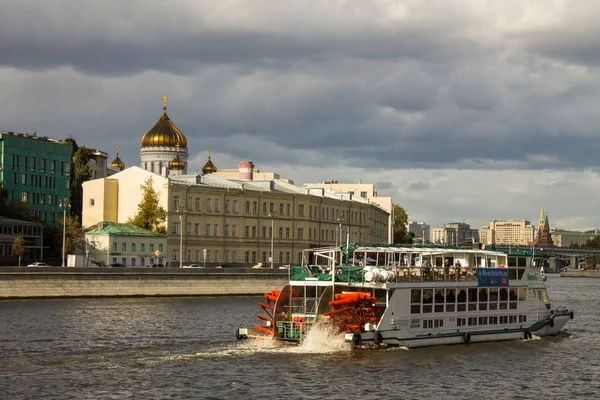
(38, 264)
(116, 265)
(193, 266)
(224, 266)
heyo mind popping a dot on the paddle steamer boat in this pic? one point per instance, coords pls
(411, 296)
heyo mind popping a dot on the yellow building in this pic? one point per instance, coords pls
(513, 232)
(364, 191)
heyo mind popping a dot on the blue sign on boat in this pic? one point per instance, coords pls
(492, 276)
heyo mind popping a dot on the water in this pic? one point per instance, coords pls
(184, 348)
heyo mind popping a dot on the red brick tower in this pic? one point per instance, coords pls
(543, 237)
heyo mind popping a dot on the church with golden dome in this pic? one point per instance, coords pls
(164, 148)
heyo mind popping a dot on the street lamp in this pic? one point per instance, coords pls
(64, 204)
(181, 210)
(340, 219)
(272, 215)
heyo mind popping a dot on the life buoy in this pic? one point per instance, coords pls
(571, 315)
(377, 338)
(467, 337)
(527, 335)
(238, 336)
(356, 339)
(551, 323)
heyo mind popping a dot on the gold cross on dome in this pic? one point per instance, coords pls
(165, 98)
(117, 148)
(208, 153)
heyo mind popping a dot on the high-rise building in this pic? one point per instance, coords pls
(420, 230)
(36, 171)
(509, 232)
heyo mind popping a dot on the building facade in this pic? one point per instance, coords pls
(36, 171)
(564, 238)
(508, 232)
(364, 191)
(238, 220)
(130, 245)
(543, 236)
(33, 234)
(455, 234)
(420, 230)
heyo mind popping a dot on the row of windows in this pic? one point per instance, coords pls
(197, 255)
(252, 207)
(40, 198)
(132, 247)
(461, 300)
(476, 321)
(33, 164)
(133, 261)
(38, 181)
(266, 232)
(25, 230)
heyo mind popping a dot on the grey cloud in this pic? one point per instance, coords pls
(419, 186)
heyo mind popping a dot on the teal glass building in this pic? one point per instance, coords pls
(36, 171)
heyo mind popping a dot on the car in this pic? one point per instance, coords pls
(38, 264)
(116, 265)
(224, 266)
(193, 266)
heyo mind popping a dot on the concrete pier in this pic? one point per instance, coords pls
(129, 282)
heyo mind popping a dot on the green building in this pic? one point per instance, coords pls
(36, 171)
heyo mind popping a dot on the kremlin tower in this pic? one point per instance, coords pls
(543, 237)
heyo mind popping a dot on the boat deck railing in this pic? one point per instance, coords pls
(293, 330)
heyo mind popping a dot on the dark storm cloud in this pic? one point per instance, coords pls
(371, 85)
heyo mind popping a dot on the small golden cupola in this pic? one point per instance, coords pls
(117, 163)
(164, 133)
(177, 163)
(209, 167)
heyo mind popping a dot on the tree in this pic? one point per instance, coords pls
(80, 172)
(595, 242)
(150, 214)
(19, 246)
(74, 234)
(400, 223)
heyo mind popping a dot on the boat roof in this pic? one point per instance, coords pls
(395, 248)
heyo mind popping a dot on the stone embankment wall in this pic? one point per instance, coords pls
(580, 274)
(124, 282)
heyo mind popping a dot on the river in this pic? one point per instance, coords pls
(184, 348)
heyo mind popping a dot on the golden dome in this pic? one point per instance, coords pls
(209, 167)
(164, 133)
(117, 163)
(177, 164)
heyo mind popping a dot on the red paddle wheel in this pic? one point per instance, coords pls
(266, 317)
(351, 311)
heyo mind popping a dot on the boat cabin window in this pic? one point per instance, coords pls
(415, 301)
(522, 294)
(461, 298)
(450, 300)
(472, 295)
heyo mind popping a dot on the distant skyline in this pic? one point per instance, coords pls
(462, 110)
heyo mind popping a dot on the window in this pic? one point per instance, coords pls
(176, 201)
(264, 231)
(280, 208)
(132, 247)
(255, 207)
(160, 247)
(254, 231)
(280, 233)
(281, 257)
(233, 230)
(247, 256)
(133, 261)
(124, 261)
(226, 206)
(363, 195)
(226, 231)
(207, 229)
(143, 247)
(247, 231)
(175, 228)
(215, 230)
(123, 246)
(197, 203)
(208, 205)
(287, 209)
(151, 247)
(234, 256)
(92, 202)
(234, 208)
(264, 208)
(114, 246)
(287, 233)
(196, 229)
(271, 205)
(247, 207)
(216, 205)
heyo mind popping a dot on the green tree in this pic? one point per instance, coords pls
(595, 242)
(400, 223)
(74, 234)
(80, 172)
(150, 214)
(19, 246)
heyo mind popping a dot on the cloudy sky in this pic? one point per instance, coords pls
(460, 110)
